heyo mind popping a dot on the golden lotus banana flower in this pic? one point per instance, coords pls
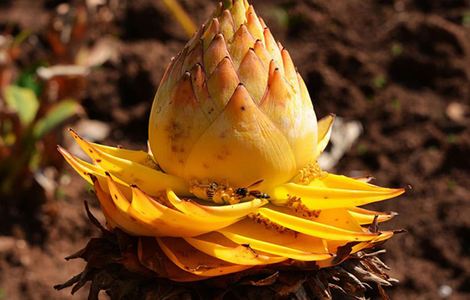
(230, 181)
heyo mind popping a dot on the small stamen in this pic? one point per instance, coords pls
(295, 204)
(268, 224)
(310, 172)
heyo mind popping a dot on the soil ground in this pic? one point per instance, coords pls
(400, 67)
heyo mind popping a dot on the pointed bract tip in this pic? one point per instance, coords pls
(93, 178)
(63, 152)
(399, 191)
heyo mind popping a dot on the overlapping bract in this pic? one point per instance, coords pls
(233, 90)
(232, 109)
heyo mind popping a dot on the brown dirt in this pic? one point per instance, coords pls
(397, 66)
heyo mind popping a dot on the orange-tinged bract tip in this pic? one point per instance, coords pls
(230, 181)
(214, 54)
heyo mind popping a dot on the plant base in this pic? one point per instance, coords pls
(114, 265)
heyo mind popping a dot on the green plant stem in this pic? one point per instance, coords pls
(181, 16)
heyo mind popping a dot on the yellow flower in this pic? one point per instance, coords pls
(231, 181)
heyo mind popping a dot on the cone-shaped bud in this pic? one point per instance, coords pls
(207, 136)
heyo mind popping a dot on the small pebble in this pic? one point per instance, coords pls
(445, 291)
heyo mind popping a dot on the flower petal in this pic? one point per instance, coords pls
(325, 125)
(175, 128)
(365, 216)
(150, 180)
(217, 245)
(193, 261)
(241, 146)
(165, 221)
(312, 227)
(333, 191)
(288, 244)
(214, 213)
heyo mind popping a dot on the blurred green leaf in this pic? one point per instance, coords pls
(28, 79)
(397, 49)
(396, 104)
(362, 149)
(452, 138)
(21, 37)
(227, 4)
(466, 19)
(281, 16)
(23, 101)
(59, 113)
(379, 81)
(451, 184)
(34, 160)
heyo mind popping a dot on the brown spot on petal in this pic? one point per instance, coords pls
(175, 131)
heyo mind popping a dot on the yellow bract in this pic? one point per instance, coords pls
(231, 181)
